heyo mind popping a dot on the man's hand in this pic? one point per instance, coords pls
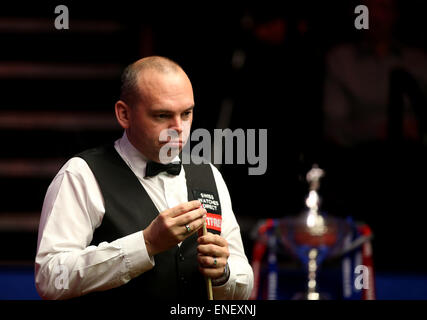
(169, 227)
(212, 255)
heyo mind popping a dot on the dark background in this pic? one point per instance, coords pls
(279, 87)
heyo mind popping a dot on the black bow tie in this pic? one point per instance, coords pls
(154, 168)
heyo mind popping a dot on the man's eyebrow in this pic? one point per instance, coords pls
(169, 111)
(161, 111)
(189, 108)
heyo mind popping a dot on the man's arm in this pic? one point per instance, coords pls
(66, 266)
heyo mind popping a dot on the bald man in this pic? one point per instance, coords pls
(119, 223)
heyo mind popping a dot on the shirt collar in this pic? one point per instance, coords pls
(132, 156)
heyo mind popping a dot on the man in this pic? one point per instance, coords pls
(113, 225)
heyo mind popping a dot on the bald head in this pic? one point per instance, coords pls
(156, 97)
(130, 90)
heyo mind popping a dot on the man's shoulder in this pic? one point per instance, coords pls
(78, 163)
(95, 151)
(75, 164)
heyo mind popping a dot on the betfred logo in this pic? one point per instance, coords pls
(213, 221)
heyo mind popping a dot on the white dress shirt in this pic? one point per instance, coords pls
(67, 266)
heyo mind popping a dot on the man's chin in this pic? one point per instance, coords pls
(168, 152)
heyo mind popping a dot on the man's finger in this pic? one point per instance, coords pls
(212, 238)
(212, 250)
(211, 272)
(211, 262)
(190, 216)
(195, 226)
(183, 208)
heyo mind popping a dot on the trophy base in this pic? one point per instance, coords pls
(310, 296)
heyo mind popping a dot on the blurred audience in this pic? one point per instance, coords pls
(368, 177)
(357, 82)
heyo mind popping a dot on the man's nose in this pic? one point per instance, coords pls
(176, 124)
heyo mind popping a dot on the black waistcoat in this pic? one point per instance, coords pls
(129, 209)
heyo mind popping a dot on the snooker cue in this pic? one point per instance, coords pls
(208, 280)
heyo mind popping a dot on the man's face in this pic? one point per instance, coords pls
(167, 104)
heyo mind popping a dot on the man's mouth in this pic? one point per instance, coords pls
(172, 143)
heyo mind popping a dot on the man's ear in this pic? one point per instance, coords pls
(123, 114)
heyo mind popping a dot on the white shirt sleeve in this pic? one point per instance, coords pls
(66, 265)
(239, 285)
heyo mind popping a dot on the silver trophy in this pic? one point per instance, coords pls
(313, 237)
